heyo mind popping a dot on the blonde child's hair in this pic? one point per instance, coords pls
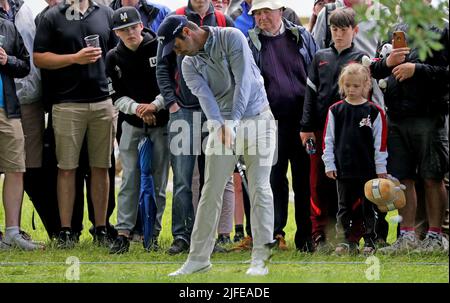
(359, 70)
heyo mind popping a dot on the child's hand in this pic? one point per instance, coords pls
(383, 176)
(305, 136)
(331, 174)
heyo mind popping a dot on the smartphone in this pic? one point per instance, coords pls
(399, 38)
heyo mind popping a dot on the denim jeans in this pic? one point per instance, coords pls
(185, 135)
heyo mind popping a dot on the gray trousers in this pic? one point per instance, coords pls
(128, 198)
(257, 145)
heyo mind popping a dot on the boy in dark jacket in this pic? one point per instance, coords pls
(321, 92)
(131, 65)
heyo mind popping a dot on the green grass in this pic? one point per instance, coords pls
(96, 265)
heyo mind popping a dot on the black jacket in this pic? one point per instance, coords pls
(171, 82)
(322, 86)
(133, 74)
(17, 66)
(426, 92)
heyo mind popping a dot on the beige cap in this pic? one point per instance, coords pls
(270, 4)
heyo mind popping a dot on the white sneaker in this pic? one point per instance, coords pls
(5, 246)
(257, 268)
(20, 241)
(191, 267)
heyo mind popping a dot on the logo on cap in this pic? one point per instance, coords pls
(124, 17)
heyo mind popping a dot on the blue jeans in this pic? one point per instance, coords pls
(185, 135)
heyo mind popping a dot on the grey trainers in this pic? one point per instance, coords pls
(5, 246)
(22, 242)
(432, 245)
(401, 246)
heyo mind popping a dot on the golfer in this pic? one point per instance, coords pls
(220, 70)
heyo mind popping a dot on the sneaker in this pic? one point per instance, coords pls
(380, 243)
(306, 247)
(238, 236)
(65, 239)
(432, 245)
(245, 244)
(401, 245)
(25, 235)
(257, 268)
(281, 242)
(5, 246)
(135, 237)
(154, 246)
(321, 246)
(347, 248)
(120, 245)
(112, 232)
(22, 242)
(218, 248)
(223, 239)
(178, 246)
(191, 267)
(101, 237)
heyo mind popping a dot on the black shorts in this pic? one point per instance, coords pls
(418, 147)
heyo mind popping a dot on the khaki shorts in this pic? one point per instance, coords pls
(12, 145)
(33, 128)
(71, 121)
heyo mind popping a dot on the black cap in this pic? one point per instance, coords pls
(169, 29)
(126, 16)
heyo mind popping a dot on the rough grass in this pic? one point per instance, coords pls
(96, 265)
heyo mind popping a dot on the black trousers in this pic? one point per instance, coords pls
(356, 215)
(290, 150)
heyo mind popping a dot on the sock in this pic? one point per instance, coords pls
(10, 233)
(434, 233)
(408, 232)
(239, 228)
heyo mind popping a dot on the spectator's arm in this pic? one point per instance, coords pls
(328, 144)
(159, 102)
(379, 130)
(18, 62)
(126, 105)
(309, 116)
(165, 80)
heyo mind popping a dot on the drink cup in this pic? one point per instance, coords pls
(92, 40)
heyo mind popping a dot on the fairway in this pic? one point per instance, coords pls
(94, 264)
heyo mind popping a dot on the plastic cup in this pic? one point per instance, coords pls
(2, 40)
(92, 41)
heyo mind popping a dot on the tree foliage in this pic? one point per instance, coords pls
(417, 14)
